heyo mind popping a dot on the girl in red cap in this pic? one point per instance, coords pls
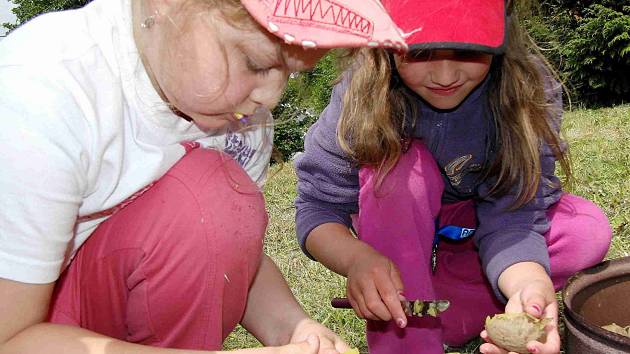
(135, 139)
(442, 160)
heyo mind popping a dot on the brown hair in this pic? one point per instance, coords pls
(371, 126)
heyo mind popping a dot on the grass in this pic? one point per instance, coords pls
(600, 152)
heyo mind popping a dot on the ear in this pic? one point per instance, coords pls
(158, 10)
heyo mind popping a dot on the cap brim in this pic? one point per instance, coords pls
(479, 25)
(327, 23)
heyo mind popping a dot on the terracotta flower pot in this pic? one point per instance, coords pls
(596, 297)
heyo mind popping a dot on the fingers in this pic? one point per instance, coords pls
(341, 346)
(551, 346)
(373, 291)
(309, 346)
(534, 303)
(536, 297)
(489, 347)
(313, 343)
(393, 295)
(367, 303)
(514, 304)
(553, 343)
(329, 342)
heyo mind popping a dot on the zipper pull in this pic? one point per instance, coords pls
(434, 249)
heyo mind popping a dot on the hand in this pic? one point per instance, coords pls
(328, 342)
(374, 288)
(537, 298)
(309, 346)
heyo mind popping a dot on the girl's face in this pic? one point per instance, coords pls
(211, 70)
(444, 77)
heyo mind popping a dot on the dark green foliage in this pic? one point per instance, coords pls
(307, 94)
(27, 9)
(589, 42)
(598, 57)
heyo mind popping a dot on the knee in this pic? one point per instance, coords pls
(217, 181)
(583, 229)
(206, 200)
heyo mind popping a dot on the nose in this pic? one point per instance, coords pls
(444, 72)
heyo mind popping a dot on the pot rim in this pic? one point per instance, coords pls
(576, 319)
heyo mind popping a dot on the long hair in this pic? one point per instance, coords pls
(372, 122)
(371, 127)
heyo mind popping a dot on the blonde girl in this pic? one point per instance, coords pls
(131, 218)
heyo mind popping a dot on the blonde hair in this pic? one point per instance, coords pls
(371, 127)
(233, 11)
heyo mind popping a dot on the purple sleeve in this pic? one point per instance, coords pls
(506, 237)
(328, 180)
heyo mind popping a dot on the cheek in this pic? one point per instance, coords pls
(238, 89)
(412, 74)
(200, 89)
(191, 76)
(478, 71)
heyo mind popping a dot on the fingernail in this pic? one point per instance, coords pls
(401, 323)
(311, 339)
(537, 309)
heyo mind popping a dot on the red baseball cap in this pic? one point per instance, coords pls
(328, 23)
(451, 24)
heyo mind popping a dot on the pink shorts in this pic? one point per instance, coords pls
(171, 269)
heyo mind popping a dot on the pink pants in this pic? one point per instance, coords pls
(173, 268)
(399, 221)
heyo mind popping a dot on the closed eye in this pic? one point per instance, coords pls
(258, 69)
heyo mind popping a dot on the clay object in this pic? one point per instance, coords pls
(512, 331)
(352, 351)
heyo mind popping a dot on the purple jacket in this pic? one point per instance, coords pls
(328, 183)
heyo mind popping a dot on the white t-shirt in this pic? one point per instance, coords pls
(81, 130)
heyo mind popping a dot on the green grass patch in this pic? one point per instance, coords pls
(600, 152)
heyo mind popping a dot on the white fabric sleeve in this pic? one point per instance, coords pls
(41, 181)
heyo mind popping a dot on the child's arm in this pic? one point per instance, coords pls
(274, 316)
(328, 189)
(374, 282)
(23, 308)
(528, 288)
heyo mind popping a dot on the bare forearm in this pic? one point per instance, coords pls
(51, 339)
(272, 313)
(335, 247)
(515, 277)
